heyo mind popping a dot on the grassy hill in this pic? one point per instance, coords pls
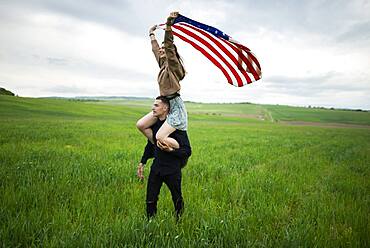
(273, 113)
(68, 169)
(6, 92)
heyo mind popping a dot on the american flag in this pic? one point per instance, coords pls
(236, 61)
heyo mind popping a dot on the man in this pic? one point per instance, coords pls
(167, 162)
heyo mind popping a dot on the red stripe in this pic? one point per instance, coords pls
(246, 61)
(254, 59)
(234, 72)
(250, 54)
(227, 52)
(241, 46)
(256, 74)
(249, 64)
(213, 60)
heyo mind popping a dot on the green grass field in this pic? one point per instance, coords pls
(287, 113)
(68, 177)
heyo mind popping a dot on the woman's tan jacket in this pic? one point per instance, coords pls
(171, 70)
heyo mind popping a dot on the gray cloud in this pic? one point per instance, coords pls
(339, 19)
(64, 89)
(130, 16)
(334, 21)
(358, 33)
(312, 85)
(55, 61)
(85, 67)
(110, 72)
(303, 80)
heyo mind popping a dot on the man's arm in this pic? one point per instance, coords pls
(148, 153)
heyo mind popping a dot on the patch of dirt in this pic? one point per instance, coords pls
(320, 124)
(251, 116)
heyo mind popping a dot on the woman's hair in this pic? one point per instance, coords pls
(180, 59)
(181, 62)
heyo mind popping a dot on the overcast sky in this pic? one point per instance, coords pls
(312, 52)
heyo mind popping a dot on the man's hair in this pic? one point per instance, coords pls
(164, 100)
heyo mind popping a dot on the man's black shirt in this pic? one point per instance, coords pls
(166, 163)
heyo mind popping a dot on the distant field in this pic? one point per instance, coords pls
(275, 113)
(286, 113)
(68, 169)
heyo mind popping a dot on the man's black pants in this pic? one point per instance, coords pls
(155, 181)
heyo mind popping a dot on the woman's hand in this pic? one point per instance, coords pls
(164, 146)
(171, 18)
(152, 29)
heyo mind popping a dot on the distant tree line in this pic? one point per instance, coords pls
(6, 92)
(344, 109)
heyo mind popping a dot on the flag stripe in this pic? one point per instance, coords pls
(215, 62)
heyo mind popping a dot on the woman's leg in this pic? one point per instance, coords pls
(144, 125)
(163, 133)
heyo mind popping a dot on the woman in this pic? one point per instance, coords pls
(170, 74)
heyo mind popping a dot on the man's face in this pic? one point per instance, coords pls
(159, 108)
